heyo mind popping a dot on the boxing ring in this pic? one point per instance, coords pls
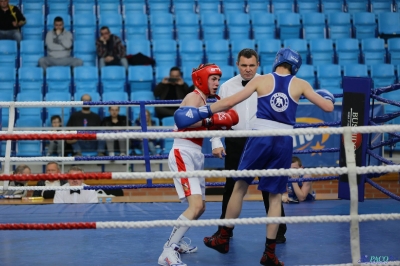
(318, 233)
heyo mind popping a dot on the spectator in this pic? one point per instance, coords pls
(138, 144)
(170, 88)
(59, 46)
(110, 49)
(21, 169)
(85, 118)
(55, 146)
(298, 191)
(51, 168)
(75, 196)
(11, 19)
(115, 120)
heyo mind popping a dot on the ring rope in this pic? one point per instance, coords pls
(383, 190)
(389, 88)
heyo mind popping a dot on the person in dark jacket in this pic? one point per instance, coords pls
(110, 49)
(51, 168)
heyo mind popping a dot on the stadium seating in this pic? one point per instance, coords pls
(332, 6)
(289, 25)
(258, 6)
(58, 6)
(113, 78)
(83, 7)
(8, 53)
(105, 8)
(217, 51)
(381, 6)
(321, 51)
(282, 6)
(355, 70)
(314, 26)
(347, 51)
(140, 78)
(168, 142)
(373, 51)
(33, 7)
(6, 97)
(187, 26)
(63, 112)
(161, 26)
(7, 81)
(339, 25)
(355, 6)
(161, 72)
(191, 52)
(87, 53)
(187, 74)
(86, 78)
(263, 26)
(113, 22)
(142, 96)
(213, 26)
(238, 25)
(165, 52)
(267, 50)
(58, 78)
(183, 6)
(136, 26)
(134, 46)
(383, 75)
(238, 44)
(29, 122)
(28, 96)
(133, 7)
(30, 79)
(364, 25)
(158, 6)
(233, 6)
(389, 24)
(29, 148)
(307, 6)
(306, 72)
(34, 27)
(84, 27)
(30, 52)
(394, 50)
(208, 7)
(227, 73)
(299, 45)
(329, 76)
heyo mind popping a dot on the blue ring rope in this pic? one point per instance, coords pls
(381, 189)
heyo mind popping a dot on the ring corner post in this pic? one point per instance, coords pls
(355, 112)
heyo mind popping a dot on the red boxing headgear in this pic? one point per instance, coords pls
(200, 76)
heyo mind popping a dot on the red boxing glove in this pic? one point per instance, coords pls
(234, 115)
(218, 121)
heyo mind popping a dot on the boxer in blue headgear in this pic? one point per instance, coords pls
(278, 96)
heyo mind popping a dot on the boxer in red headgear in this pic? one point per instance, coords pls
(186, 155)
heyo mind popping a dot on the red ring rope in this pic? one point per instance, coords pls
(80, 136)
(49, 226)
(37, 177)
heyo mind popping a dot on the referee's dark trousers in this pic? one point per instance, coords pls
(234, 148)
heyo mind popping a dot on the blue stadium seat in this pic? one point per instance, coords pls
(355, 70)
(86, 78)
(282, 6)
(321, 52)
(389, 23)
(238, 25)
(58, 78)
(314, 26)
(30, 79)
(263, 26)
(332, 6)
(381, 6)
(183, 6)
(115, 96)
(140, 78)
(217, 51)
(30, 52)
(84, 27)
(191, 52)
(159, 6)
(306, 72)
(227, 73)
(8, 53)
(135, 7)
(348, 51)
(299, 45)
(208, 7)
(288, 25)
(355, 6)
(7, 80)
(28, 96)
(373, 51)
(161, 72)
(136, 26)
(113, 78)
(393, 46)
(29, 148)
(168, 142)
(87, 53)
(95, 98)
(83, 7)
(66, 19)
(329, 76)
(339, 25)
(238, 44)
(142, 96)
(187, 26)
(187, 74)
(165, 52)
(58, 6)
(213, 26)
(233, 6)
(63, 112)
(34, 27)
(33, 7)
(258, 6)
(29, 122)
(364, 25)
(113, 22)
(134, 46)
(105, 8)
(267, 50)
(383, 75)
(307, 6)
(6, 97)
(161, 26)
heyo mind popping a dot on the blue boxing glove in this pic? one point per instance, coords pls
(326, 94)
(186, 116)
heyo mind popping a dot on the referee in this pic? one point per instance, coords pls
(247, 63)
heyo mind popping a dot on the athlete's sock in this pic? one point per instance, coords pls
(178, 232)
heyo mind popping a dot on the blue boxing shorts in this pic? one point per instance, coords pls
(267, 153)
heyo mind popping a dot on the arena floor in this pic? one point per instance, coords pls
(307, 243)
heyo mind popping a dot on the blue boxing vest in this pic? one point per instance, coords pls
(292, 195)
(278, 105)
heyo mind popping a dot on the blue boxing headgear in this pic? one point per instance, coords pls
(289, 56)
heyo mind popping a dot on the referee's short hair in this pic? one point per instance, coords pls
(247, 53)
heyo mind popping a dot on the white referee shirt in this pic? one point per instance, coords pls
(247, 109)
(85, 196)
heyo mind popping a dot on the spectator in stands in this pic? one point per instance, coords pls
(21, 169)
(51, 168)
(138, 144)
(85, 118)
(298, 191)
(75, 196)
(55, 146)
(110, 49)
(115, 120)
(59, 46)
(170, 88)
(11, 19)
